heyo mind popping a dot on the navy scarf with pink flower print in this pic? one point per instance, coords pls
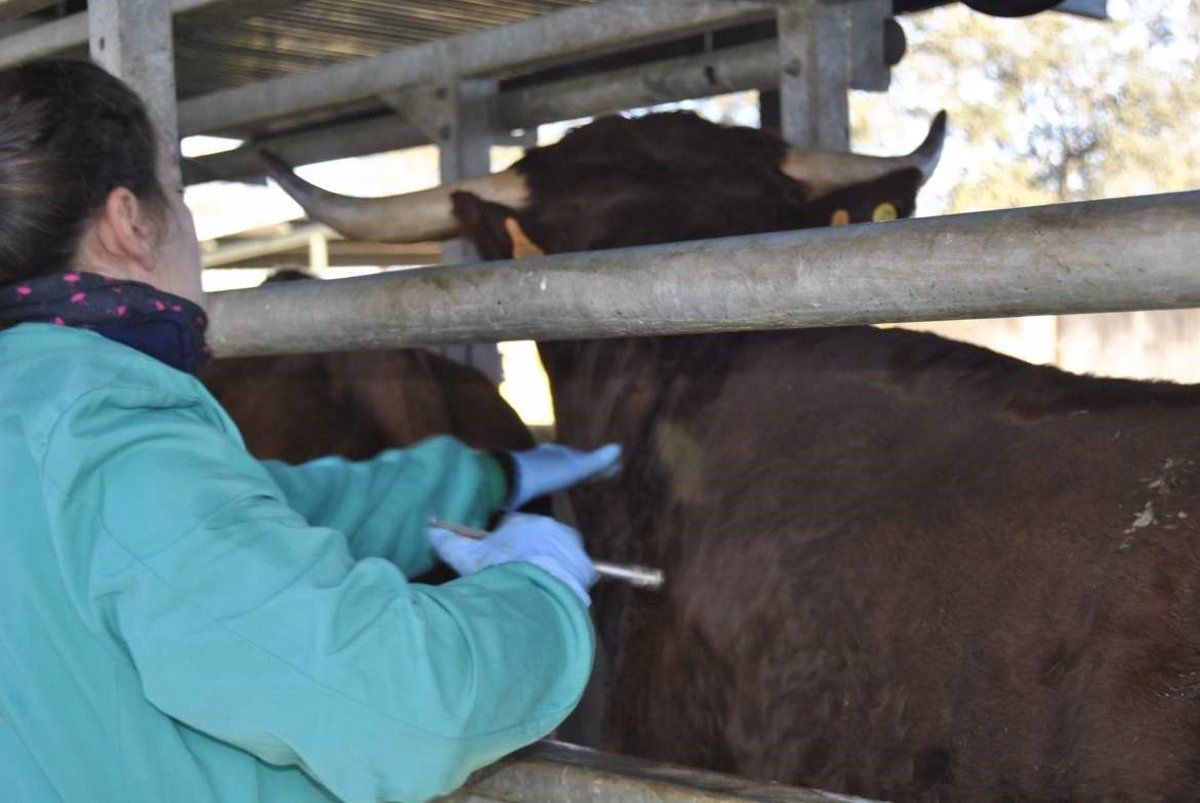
(164, 326)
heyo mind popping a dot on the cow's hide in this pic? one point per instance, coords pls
(301, 407)
(897, 566)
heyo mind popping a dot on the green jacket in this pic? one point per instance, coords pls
(181, 622)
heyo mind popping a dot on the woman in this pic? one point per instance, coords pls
(182, 622)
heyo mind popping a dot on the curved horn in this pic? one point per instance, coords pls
(408, 218)
(826, 171)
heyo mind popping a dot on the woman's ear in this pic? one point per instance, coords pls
(125, 232)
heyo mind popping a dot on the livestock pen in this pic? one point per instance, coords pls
(1125, 254)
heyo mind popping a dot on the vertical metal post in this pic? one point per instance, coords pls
(464, 150)
(814, 78)
(459, 117)
(132, 40)
(869, 22)
(464, 144)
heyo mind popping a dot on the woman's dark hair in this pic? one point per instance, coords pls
(70, 133)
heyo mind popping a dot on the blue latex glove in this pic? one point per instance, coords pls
(521, 537)
(550, 467)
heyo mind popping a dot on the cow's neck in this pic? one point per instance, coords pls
(644, 393)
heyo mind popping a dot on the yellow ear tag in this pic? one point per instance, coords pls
(522, 245)
(885, 211)
(840, 218)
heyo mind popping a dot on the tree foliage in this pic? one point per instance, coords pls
(1050, 108)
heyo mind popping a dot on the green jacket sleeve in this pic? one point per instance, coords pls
(256, 628)
(383, 505)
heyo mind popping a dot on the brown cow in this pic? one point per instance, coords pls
(898, 566)
(305, 406)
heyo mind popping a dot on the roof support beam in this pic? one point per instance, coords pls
(718, 72)
(753, 66)
(44, 40)
(489, 53)
(52, 38)
(1101, 256)
(19, 8)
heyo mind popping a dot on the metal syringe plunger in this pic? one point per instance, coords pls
(636, 576)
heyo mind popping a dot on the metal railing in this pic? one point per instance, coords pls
(1100, 256)
(552, 771)
(552, 38)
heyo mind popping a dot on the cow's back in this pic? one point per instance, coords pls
(910, 568)
(301, 407)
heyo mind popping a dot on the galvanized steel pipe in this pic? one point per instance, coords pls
(552, 38)
(1101, 256)
(569, 774)
(753, 66)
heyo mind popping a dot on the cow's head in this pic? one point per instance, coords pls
(501, 232)
(621, 182)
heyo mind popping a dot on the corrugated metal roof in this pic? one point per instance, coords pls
(315, 33)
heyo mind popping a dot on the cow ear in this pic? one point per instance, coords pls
(483, 224)
(522, 246)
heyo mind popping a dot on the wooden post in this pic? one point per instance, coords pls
(132, 40)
